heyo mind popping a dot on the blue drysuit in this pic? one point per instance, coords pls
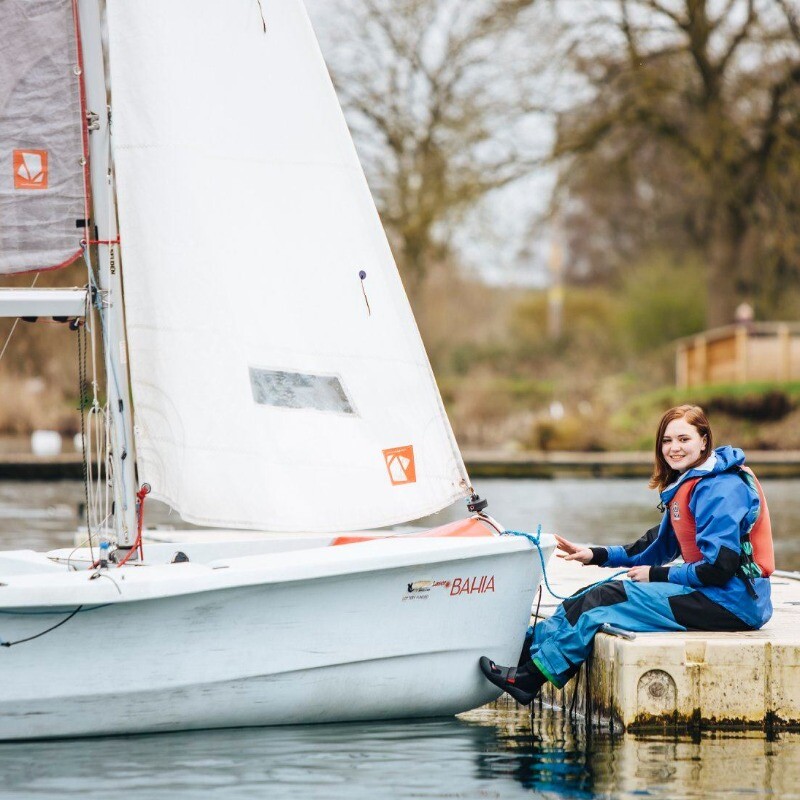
(705, 595)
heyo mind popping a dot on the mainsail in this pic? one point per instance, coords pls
(278, 377)
(42, 158)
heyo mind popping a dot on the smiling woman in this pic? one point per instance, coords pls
(684, 439)
(715, 517)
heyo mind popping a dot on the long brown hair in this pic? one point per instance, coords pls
(663, 474)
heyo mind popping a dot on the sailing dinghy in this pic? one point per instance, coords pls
(264, 374)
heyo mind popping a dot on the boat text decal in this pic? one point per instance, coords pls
(453, 587)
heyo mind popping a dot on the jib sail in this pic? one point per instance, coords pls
(279, 380)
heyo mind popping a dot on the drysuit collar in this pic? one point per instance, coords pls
(721, 460)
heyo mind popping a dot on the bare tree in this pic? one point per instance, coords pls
(441, 98)
(690, 133)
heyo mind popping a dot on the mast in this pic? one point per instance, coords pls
(104, 229)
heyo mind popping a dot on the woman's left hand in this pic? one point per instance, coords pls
(639, 574)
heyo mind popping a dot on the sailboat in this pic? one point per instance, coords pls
(265, 379)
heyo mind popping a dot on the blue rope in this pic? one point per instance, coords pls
(535, 539)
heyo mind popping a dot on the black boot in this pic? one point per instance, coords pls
(525, 653)
(522, 683)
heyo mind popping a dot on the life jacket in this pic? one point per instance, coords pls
(756, 556)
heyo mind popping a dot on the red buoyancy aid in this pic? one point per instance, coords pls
(685, 527)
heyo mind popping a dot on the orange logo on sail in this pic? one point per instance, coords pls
(400, 463)
(30, 169)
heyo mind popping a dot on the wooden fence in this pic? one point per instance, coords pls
(762, 351)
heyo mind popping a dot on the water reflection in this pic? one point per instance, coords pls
(432, 759)
(546, 754)
(495, 752)
(556, 756)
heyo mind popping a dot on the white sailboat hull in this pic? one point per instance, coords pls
(383, 629)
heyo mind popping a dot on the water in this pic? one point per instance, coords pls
(494, 752)
(43, 515)
(617, 511)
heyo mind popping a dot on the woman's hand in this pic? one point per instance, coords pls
(639, 574)
(573, 552)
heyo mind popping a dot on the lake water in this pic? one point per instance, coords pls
(495, 752)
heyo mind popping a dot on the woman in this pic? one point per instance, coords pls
(715, 516)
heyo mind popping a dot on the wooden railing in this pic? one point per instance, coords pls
(762, 351)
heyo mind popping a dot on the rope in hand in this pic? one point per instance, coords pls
(535, 540)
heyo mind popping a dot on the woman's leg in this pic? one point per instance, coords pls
(562, 642)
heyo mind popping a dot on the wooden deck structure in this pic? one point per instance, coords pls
(755, 351)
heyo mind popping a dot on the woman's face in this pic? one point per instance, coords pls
(682, 445)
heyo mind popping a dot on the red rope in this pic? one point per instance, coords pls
(140, 496)
(87, 184)
(101, 241)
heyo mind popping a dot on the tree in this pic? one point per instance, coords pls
(441, 97)
(688, 136)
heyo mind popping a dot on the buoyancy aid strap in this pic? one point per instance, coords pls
(683, 521)
(758, 538)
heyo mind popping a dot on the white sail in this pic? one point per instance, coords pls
(273, 387)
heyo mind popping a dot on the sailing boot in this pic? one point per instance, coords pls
(525, 653)
(522, 683)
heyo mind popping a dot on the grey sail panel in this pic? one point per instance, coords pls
(42, 152)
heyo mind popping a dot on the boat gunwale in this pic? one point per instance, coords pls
(48, 590)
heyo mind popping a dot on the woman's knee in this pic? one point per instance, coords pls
(604, 595)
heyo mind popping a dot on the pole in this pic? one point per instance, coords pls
(555, 293)
(103, 228)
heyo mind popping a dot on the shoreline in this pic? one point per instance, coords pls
(479, 463)
(622, 464)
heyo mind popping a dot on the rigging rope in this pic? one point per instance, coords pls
(36, 636)
(82, 399)
(121, 494)
(51, 628)
(140, 496)
(535, 540)
(96, 442)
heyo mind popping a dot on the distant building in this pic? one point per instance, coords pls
(748, 351)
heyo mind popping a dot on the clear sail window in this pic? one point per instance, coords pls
(299, 390)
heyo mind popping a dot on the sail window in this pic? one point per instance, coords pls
(299, 390)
